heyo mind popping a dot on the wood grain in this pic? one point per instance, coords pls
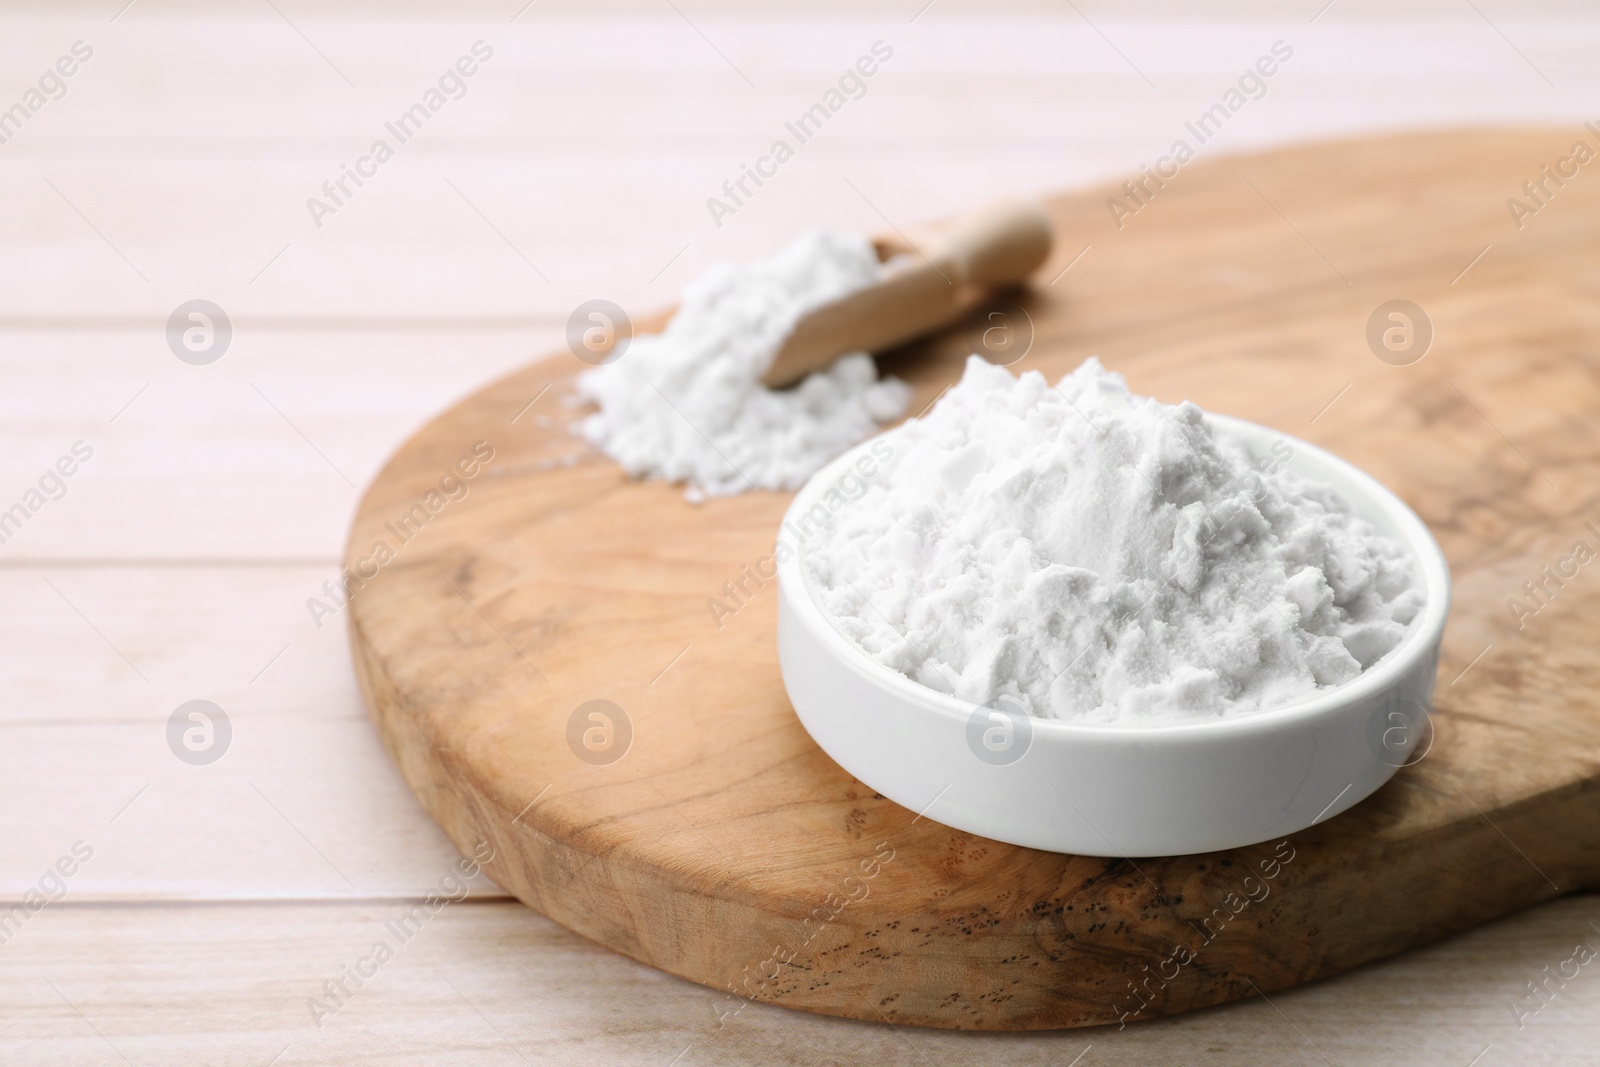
(1245, 285)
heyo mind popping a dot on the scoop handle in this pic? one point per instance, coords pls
(923, 286)
(1000, 244)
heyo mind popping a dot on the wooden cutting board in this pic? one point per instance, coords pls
(723, 846)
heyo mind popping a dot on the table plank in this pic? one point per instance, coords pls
(591, 167)
(491, 982)
(256, 456)
(304, 803)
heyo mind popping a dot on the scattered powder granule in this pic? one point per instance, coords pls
(687, 404)
(1101, 557)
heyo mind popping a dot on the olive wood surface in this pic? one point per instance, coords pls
(725, 847)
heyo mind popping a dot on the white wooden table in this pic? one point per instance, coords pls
(219, 899)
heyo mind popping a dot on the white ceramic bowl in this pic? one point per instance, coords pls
(1118, 790)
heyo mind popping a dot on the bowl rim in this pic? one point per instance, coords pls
(1421, 640)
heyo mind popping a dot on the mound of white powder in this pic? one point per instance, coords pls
(687, 404)
(1101, 557)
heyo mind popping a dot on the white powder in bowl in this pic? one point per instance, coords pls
(687, 404)
(1102, 557)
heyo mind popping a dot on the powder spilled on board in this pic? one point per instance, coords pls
(1102, 557)
(687, 404)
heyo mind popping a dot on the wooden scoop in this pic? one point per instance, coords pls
(921, 287)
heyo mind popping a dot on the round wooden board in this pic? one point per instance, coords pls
(726, 848)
